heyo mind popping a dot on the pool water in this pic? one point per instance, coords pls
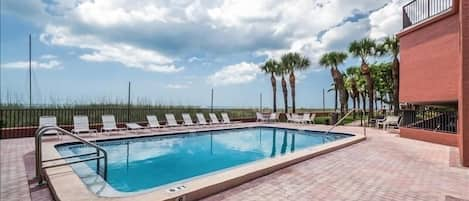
(139, 164)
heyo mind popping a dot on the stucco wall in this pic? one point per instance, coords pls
(430, 62)
(429, 136)
(463, 113)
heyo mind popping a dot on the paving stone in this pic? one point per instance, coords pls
(384, 167)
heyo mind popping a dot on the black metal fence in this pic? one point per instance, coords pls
(434, 120)
(14, 118)
(419, 10)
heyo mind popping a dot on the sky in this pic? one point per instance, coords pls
(175, 51)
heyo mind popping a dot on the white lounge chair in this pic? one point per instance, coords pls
(49, 121)
(289, 117)
(225, 118)
(306, 118)
(133, 126)
(260, 117)
(82, 125)
(213, 118)
(273, 117)
(296, 118)
(109, 124)
(153, 122)
(187, 120)
(390, 120)
(171, 120)
(201, 119)
(313, 118)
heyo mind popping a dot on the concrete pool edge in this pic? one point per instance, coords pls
(66, 185)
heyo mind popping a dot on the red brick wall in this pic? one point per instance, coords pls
(464, 85)
(429, 62)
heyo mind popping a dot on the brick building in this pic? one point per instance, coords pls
(434, 73)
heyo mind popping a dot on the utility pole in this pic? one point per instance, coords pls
(128, 104)
(30, 72)
(323, 100)
(211, 102)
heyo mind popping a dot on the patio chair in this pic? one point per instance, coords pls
(306, 118)
(296, 118)
(375, 121)
(259, 117)
(390, 120)
(289, 117)
(187, 120)
(273, 117)
(313, 118)
(225, 118)
(153, 122)
(201, 119)
(213, 118)
(171, 120)
(49, 121)
(82, 125)
(134, 126)
(109, 124)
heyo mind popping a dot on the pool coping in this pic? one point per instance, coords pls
(66, 185)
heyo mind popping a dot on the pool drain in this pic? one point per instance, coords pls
(176, 189)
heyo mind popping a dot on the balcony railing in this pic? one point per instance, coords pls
(417, 11)
(433, 120)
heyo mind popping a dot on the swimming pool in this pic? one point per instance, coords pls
(141, 164)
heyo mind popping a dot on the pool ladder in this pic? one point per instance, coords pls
(98, 155)
(345, 116)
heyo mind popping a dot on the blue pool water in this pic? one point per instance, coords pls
(143, 163)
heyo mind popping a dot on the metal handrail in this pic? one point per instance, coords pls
(417, 11)
(345, 116)
(38, 145)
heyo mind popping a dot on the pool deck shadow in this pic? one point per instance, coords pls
(384, 167)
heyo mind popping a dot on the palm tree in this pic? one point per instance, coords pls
(282, 71)
(294, 61)
(361, 86)
(333, 60)
(271, 67)
(334, 88)
(391, 46)
(351, 85)
(364, 49)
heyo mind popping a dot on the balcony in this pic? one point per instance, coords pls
(418, 11)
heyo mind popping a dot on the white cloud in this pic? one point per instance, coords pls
(152, 34)
(177, 86)
(235, 74)
(125, 54)
(387, 20)
(48, 56)
(194, 59)
(110, 13)
(34, 64)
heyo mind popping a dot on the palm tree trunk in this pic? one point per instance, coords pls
(336, 98)
(363, 100)
(285, 93)
(354, 106)
(292, 88)
(376, 100)
(358, 101)
(371, 96)
(274, 91)
(339, 82)
(395, 75)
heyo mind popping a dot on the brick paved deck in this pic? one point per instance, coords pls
(384, 167)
